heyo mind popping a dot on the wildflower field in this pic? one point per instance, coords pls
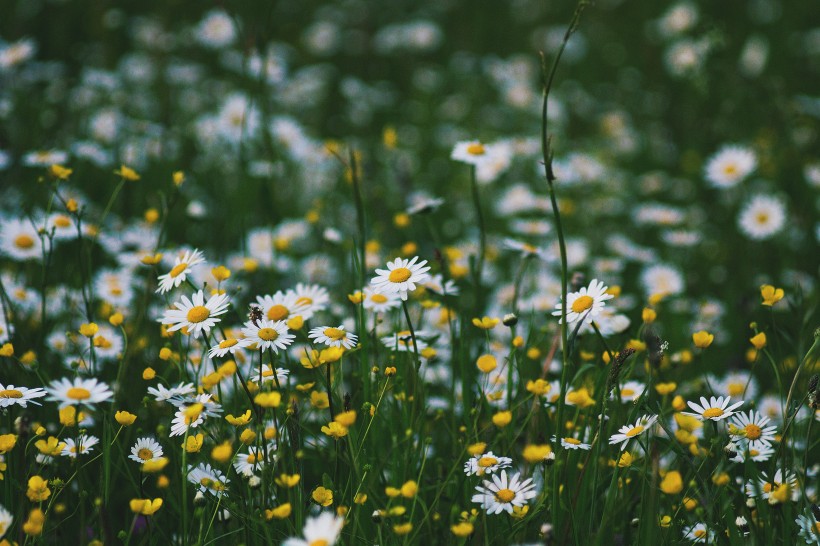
(409, 273)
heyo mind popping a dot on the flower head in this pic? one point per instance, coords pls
(501, 494)
(715, 409)
(401, 276)
(195, 314)
(585, 304)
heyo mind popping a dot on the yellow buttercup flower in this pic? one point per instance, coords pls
(770, 294)
(322, 496)
(146, 507)
(127, 173)
(124, 418)
(702, 339)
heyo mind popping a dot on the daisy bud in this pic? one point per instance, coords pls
(254, 482)
(510, 319)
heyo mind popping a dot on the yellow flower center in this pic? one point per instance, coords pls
(582, 303)
(145, 454)
(505, 495)
(400, 274)
(304, 300)
(712, 412)
(762, 217)
(278, 312)
(634, 431)
(267, 372)
(252, 458)
(178, 269)
(476, 149)
(485, 462)
(753, 432)
(378, 298)
(62, 221)
(572, 441)
(319, 542)
(753, 453)
(23, 241)
(700, 533)
(334, 333)
(198, 314)
(78, 393)
(730, 169)
(736, 389)
(227, 343)
(627, 392)
(11, 393)
(268, 334)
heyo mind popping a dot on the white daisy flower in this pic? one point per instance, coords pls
(585, 304)
(266, 334)
(436, 284)
(195, 314)
(216, 30)
(146, 449)
(323, 529)
(627, 432)
(178, 273)
(401, 276)
(574, 443)
(402, 341)
(20, 241)
(729, 166)
(208, 479)
(759, 453)
(631, 391)
(45, 158)
(247, 463)
(485, 464)
(752, 427)
(162, 394)
(379, 303)
(5, 521)
(184, 420)
(767, 488)
(715, 409)
(471, 152)
(501, 495)
(313, 297)
(282, 306)
(11, 395)
(762, 217)
(229, 345)
(333, 337)
(809, 528)
(698, 533)
(83, 445)
(268, 375)
(69, 392)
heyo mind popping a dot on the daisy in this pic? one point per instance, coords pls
(83, 446)
(771, 490)
(574, 443)
(184, 421)
(20, 241)
(380, 303)
(209, 479)
(698, 533)
(323, 529)
(809, 528)
(401, 276)
(401, 341)
(715, 409)
(11, 395)
(627, 432)
(161, 394)
(527, 250)
(246, 463)
(423, 204)
(729, 166)
(45, 158)
(216, 30)
(312, 296)
(436, 284)
(178, 273)
(195, 314)
(333, 337)
(266, 334)
(752, 427)
(584, 304)
(631, 391)
(471, 152)
(267, 375)
(78, 391)
(758, 453)
(762, 217)
(226, 346)
(5, 521)
(146, 449)
(501, 494)
(282, 306)
(485, 464)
